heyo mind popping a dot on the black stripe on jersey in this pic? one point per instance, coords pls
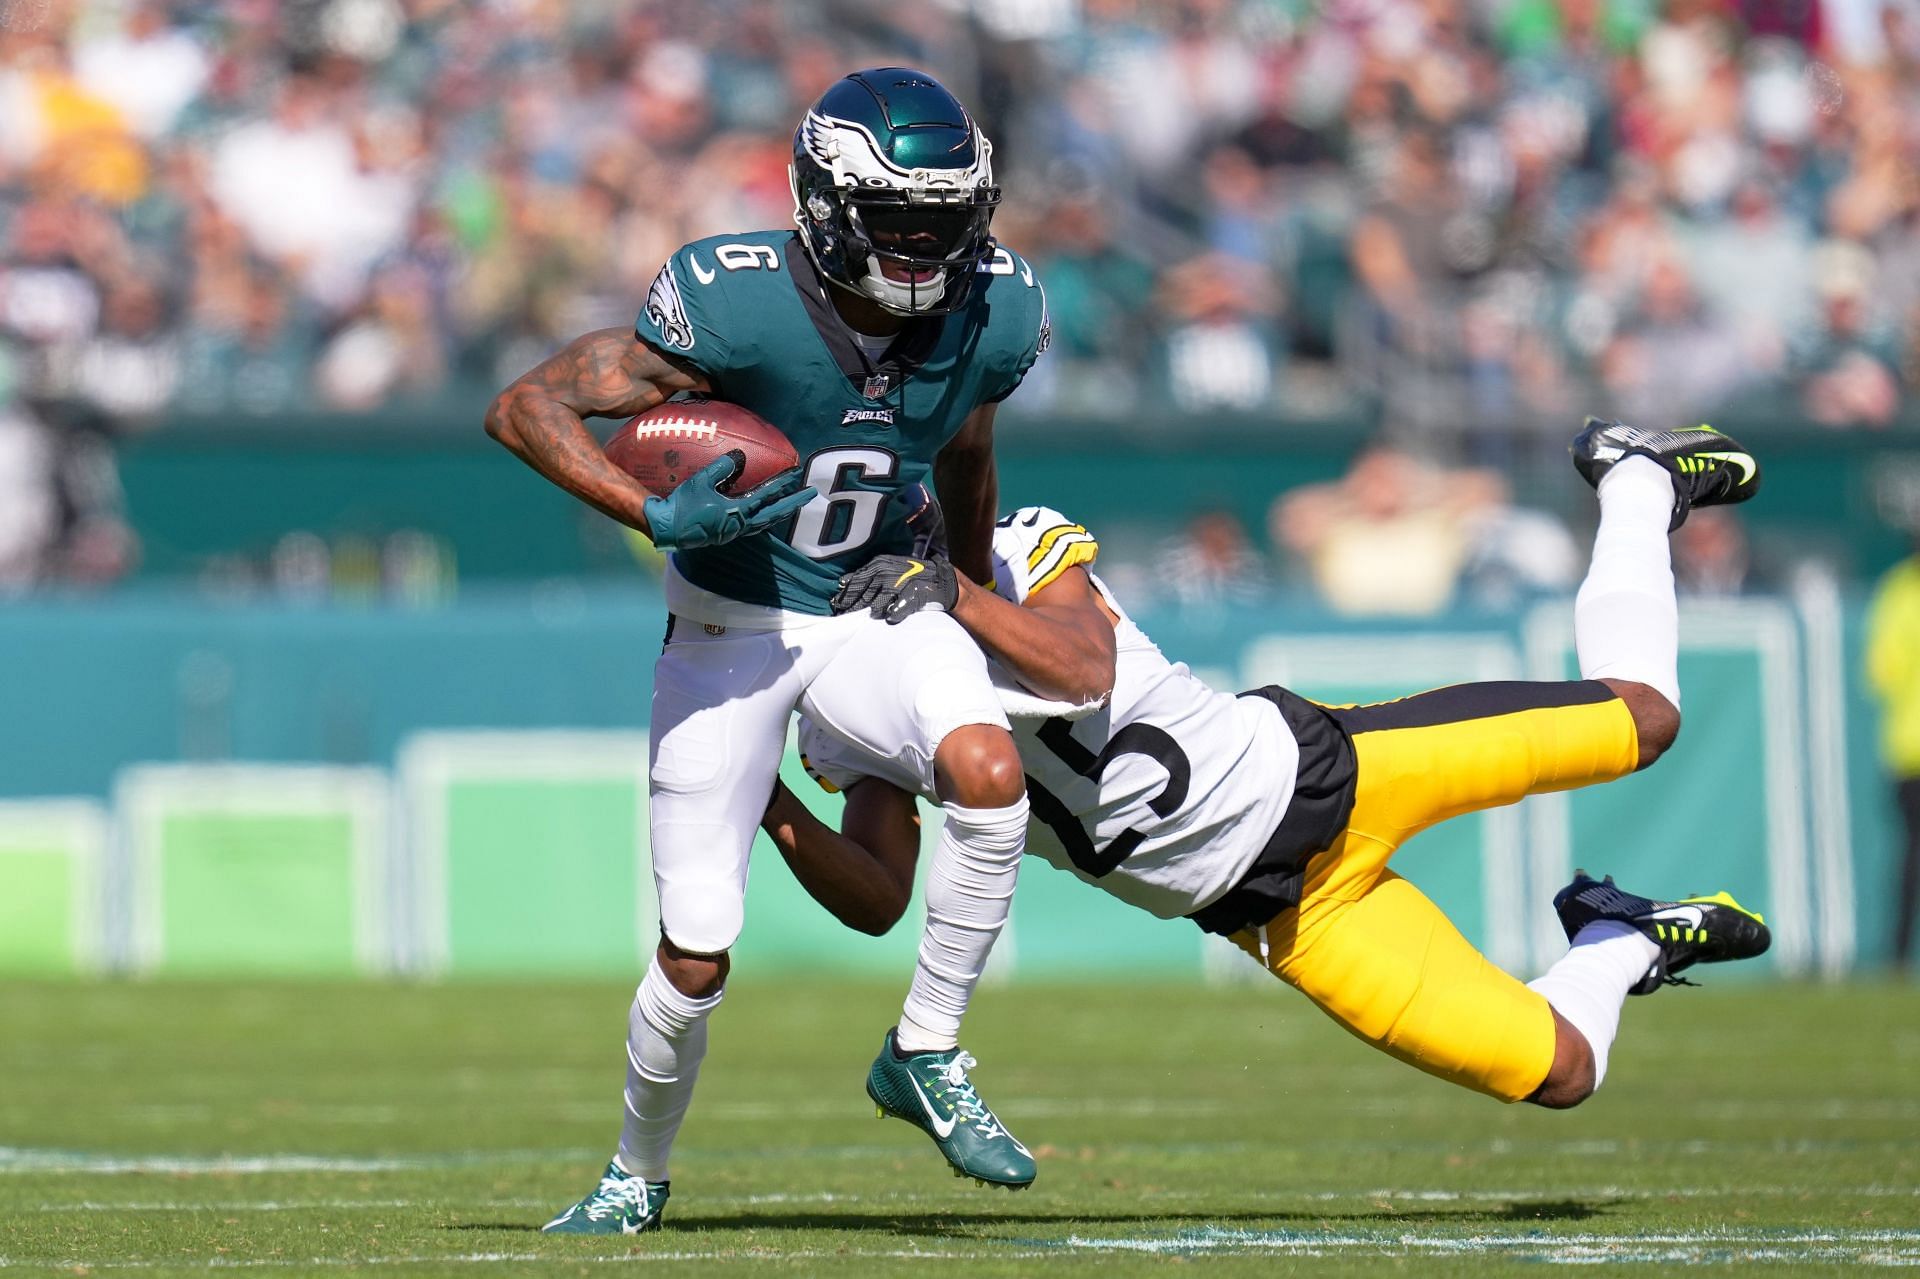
(1328, 773)
(1461, 702)
(1322, 803)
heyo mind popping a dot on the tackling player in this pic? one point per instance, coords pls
(1271, 819)
(880, 337)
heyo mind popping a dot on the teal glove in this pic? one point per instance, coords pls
(697, 513)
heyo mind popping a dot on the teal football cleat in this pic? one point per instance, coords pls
(1693, 930)
(622, 1204)
(932, 1092)
(1708, 467)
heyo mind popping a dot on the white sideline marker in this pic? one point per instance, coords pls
(897, 1197)
(1860, 1247)
(16, 1160)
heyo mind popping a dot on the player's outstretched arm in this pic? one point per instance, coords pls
(541, 416)
(863, 873)
(1060, 642)
(969, 486)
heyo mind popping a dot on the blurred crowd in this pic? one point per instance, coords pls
(1459, 219)
(1399, 535)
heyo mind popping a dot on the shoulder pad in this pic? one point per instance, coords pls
(1021, 327)
(1005, 262)
(688, 309)
(723, 258)
(1033, 546)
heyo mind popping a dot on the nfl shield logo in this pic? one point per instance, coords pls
(876, 387)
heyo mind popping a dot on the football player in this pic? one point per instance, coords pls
(880, 336)
(1271, 819)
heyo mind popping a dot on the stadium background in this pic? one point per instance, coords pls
(305, 676)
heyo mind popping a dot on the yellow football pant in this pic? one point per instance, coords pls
(1371, 949)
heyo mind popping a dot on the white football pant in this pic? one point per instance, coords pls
(721, 703)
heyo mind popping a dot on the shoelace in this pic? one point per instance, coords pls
(616, 1194)
(964, 1099)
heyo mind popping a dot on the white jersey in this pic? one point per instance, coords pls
(1164, 796)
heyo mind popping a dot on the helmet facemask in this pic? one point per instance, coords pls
(921, 247)
(906, 234)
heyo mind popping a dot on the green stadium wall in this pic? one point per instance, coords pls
(200, 489)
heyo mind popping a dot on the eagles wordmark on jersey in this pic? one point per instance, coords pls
(878, 331)
(752, 313)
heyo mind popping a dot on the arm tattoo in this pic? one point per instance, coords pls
(540, 418)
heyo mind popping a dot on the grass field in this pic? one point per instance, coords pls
(175, 1128)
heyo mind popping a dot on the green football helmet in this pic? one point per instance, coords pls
(893, 190)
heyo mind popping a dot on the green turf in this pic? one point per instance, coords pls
(168, 1128)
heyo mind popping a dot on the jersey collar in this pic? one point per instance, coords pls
(875, 379)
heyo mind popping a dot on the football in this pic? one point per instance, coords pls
(664, 445)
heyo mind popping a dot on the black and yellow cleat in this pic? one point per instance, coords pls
(1693, 930)
(1709, 468)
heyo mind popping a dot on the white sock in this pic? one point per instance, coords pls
(666, 1038)
(1592, 979)
(1626, 624)
(969, 892)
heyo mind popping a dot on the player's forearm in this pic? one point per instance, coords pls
(1060, 652)
(864, 878)
(551, 438)
(541, 417)
(969, 486)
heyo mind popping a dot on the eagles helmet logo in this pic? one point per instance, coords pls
(893, 191)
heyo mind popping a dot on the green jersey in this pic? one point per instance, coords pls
(752, 314)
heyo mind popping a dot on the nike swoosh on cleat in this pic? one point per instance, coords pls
(1725, 899)
(942, 1129)
(1691, 916)
(1741, 460)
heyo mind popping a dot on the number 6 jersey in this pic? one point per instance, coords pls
(752, 315)
(1165, 796)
